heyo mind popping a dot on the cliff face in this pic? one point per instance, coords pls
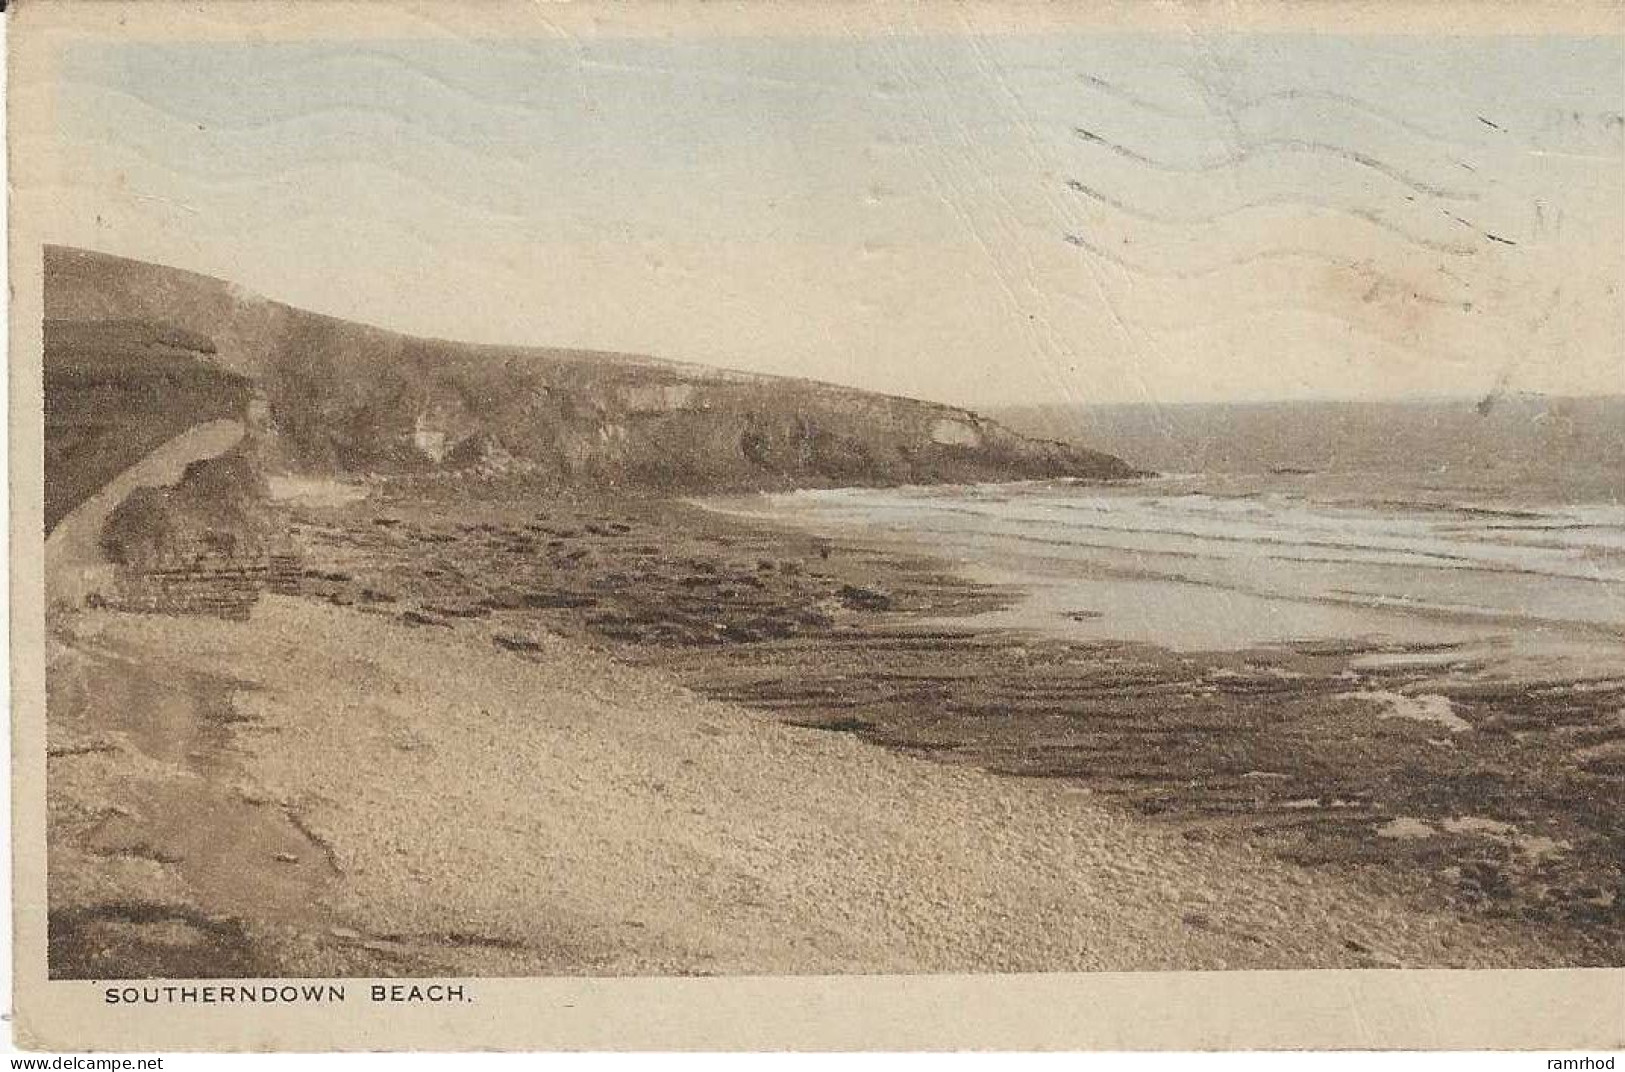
(117, 389)
(349, 398)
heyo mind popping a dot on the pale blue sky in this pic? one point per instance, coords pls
(1065, 217)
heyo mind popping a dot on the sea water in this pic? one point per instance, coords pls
(1226, 561)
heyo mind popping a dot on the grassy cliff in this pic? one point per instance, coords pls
(343, 397)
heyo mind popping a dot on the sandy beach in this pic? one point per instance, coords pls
(367, 798)
(597, 739)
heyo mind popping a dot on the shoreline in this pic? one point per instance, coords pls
(727, 615)
(1096, 575)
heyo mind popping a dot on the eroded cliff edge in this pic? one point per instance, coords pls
(341, 397)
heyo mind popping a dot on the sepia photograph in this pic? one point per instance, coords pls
(867, 491)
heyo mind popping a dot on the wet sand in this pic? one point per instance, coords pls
(634, 736)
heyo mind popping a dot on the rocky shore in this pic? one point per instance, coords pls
(1322, 765)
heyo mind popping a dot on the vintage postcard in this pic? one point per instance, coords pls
(819, 525)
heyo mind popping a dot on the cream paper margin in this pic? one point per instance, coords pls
(1397, 1009)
